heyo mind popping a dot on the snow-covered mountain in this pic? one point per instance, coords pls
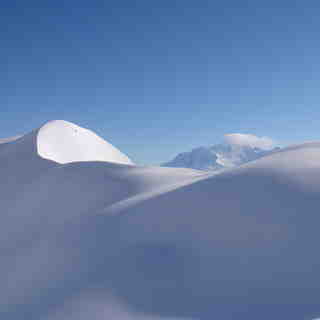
(218, 157)
(86, 234)
(66, 142)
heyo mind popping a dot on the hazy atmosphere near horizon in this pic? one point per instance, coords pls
(160, 77)
(159, 160)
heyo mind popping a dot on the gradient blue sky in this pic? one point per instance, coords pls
(159, 77)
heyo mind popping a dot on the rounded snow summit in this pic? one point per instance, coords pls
(65, 142)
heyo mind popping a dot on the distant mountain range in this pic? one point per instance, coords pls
(218, 157)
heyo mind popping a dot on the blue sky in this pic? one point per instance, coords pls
(159, 77)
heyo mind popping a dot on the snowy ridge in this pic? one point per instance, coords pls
(105, 240)
(65, 142)
(217, 157)
(10, 139)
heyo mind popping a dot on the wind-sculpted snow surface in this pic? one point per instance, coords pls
(65, 142)
(105, 240)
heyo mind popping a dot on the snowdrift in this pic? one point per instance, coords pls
(65, 142)
(85, 234)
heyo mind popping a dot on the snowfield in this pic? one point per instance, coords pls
(86, 234)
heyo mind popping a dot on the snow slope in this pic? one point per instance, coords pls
(105, 240)
(10, 139)
(65, 142)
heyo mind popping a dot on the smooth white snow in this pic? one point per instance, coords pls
(103, 240)
(65, 142)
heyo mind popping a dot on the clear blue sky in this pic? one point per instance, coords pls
(159, 77)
